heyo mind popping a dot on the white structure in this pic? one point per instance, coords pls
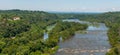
(16, 18)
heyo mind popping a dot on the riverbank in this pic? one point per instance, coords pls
(94, 41)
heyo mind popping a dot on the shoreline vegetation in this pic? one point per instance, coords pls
(21, 31)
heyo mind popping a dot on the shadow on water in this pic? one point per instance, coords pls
(94, 42)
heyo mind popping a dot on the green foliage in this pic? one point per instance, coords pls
(66, 29)
(25, 36)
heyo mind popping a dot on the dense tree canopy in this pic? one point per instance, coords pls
(21, 32)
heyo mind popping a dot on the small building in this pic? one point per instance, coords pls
(16, 18)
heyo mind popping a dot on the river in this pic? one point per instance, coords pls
(94, 42)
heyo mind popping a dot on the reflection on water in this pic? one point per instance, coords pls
(100, 27)
(94, 42)
(48, 29)
(76, 20)
(61, 39)
(45, 36)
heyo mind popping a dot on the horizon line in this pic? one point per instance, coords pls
(63, 11)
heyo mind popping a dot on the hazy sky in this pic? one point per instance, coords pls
(62, 5)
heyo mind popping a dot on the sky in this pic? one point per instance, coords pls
(62, 5)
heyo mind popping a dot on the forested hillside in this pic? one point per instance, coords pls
(21, 32)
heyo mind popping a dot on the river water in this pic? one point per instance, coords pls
(94, 42)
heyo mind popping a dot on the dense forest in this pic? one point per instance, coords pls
(21, 32)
